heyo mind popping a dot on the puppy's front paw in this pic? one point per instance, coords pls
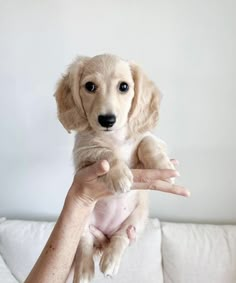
(119, 179)
(162, 161)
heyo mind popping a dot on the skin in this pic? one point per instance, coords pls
(55, 261)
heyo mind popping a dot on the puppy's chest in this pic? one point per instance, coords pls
(126, 151)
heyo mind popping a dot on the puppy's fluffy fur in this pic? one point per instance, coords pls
(127, 144)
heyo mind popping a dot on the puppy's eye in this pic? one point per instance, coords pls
(90, 86)
(123, 87)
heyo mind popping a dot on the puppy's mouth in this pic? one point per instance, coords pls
(107, 130)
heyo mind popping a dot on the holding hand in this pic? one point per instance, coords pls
(88, 189)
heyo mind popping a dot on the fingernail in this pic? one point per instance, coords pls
(177, 174)
(188, 194)
(105, 165)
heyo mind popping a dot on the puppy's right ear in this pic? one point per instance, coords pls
(69, 105)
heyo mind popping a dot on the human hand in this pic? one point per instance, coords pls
(87, 188)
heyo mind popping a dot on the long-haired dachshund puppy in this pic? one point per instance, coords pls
(112, 106)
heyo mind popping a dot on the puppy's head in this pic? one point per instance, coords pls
(105, 93)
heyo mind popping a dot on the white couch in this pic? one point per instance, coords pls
(167, 252)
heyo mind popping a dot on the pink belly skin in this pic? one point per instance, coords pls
(111, 212)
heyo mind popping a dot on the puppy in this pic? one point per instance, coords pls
(112, 106)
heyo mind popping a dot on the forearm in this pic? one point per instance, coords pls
(56, 259)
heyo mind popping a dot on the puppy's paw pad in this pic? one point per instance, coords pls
(119, 179)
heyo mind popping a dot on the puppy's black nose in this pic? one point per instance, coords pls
(107, 121)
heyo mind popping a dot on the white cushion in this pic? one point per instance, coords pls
(22, 241)
(5, 273)
(198, 253)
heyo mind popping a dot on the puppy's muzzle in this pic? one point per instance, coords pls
(107, 121)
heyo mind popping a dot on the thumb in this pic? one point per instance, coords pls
(99, 168)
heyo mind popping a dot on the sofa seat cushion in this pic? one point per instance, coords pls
(199, 253)
(5, 273)
(22, 241)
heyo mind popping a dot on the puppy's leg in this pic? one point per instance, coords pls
(112, 255)
(84, 264)
(110, 260)
(152, 153)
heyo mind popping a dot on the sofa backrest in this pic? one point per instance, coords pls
(194, 253)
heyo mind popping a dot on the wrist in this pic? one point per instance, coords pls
(73, 209)
(76, 199)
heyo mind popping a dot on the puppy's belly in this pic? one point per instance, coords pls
(111, 212)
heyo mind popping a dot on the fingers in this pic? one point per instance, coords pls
(154, 179)
(147, 175)
(162, 186)
(91, 172)
(144, 179)
(100, 237)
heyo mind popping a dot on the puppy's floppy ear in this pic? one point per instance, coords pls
(144, 110)
(69, 105)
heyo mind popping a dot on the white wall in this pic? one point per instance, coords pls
(187, 47)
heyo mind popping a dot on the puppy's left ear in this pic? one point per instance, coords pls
(144, 111)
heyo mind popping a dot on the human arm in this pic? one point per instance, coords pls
(56, 259)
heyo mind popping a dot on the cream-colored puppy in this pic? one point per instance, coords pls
(112, 106)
